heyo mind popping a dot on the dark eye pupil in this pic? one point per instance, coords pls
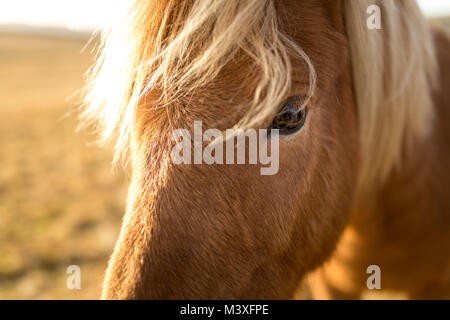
(288, 114)
(291, 117)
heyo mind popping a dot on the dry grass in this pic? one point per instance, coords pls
(60, 204)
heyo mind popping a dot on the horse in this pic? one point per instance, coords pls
(363, 177)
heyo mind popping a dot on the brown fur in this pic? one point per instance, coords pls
(225, 231)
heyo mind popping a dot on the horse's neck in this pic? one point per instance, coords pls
(439, 146)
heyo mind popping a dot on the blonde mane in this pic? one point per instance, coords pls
(173, 47)
(394, 70)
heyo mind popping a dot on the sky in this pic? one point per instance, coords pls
(86, 15)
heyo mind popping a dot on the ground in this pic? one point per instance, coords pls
(60, 202)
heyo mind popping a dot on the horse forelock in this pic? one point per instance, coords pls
(174, 47)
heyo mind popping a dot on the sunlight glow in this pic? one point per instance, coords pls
(70, 14)
(435, 7)
(87, 15)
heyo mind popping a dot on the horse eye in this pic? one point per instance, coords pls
(291, 117)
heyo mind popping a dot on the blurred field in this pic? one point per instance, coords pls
(60, 203)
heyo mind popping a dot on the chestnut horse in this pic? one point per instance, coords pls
(363, 177)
